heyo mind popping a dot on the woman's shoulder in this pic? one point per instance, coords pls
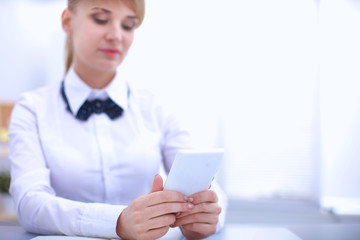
(39, 97)
(34, 103)
(42, 93)
(152, 104)
(144, 96)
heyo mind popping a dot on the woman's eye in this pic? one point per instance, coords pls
(128, 26)
(99, 20)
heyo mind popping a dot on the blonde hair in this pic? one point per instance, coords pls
(137, 5)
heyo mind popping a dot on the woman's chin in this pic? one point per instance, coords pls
(108, 67)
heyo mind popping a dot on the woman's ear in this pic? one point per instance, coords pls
(66, 21)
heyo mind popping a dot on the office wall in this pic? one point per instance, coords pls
(31, 45)
(340, 105)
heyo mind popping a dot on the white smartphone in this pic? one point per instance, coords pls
(193, 171)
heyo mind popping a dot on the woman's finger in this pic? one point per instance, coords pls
(160, 221)
(163, 196)
(167, 208)
(156, 233)
(204, 196)
(157, 184)
(198, 230)
(208, 218)
(213, 208)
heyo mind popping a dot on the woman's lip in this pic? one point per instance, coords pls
(110, 51)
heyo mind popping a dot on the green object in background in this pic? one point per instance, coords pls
(4, 182)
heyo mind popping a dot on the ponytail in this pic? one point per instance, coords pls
(69, 53)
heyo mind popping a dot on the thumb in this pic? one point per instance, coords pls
(157, 184)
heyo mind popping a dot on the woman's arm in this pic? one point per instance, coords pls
(38, 208)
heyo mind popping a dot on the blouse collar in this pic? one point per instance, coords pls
(77, 91)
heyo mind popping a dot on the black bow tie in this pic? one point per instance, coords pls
(95, 106)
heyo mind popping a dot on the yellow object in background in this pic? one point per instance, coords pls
(3, 135)
(5, 113)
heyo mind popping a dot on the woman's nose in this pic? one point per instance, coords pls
(114, 33)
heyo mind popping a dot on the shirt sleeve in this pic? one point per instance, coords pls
(223, 202)
(38, 208)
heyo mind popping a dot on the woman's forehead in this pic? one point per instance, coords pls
(107, 4)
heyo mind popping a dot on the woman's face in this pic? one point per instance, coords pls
(102, 32)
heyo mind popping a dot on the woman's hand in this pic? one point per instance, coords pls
(150, 216)
(202, 220)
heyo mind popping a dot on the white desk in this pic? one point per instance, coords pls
(12, 231)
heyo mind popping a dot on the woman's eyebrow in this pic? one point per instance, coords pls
(109, 12)
(132, 17)
(102, 9)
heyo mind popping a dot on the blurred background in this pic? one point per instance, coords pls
(274, 82)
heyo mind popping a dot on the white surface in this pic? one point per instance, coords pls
(172, 234)
(234, 232)
(193, 171)
(63, 237)
(231, 233)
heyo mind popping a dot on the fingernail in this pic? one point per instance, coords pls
(188, 199)
(190, 206)
(177, 214)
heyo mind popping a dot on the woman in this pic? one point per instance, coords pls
(85, 151)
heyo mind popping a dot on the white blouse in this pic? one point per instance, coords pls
(73, 177)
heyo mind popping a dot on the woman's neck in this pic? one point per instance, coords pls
(94, 78)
